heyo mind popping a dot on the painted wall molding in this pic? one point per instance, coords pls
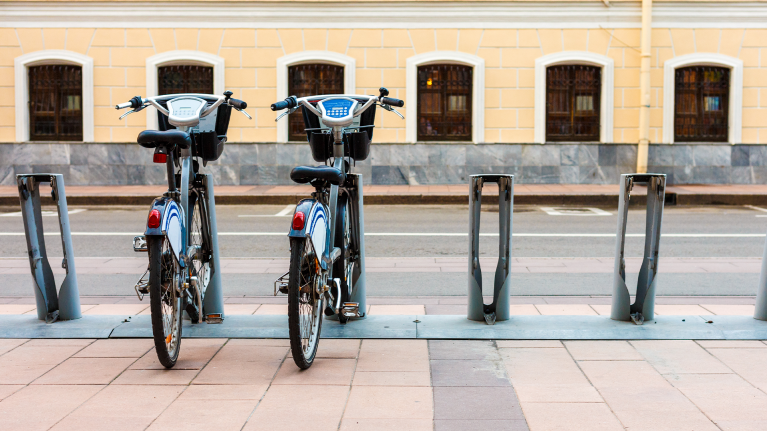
(477, 97)
(180, 57)
(21, 87)
(735, 120)
(606, 104)
(386, 14)
(325, 57)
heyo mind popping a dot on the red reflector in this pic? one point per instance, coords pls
(154, 219)
(160, 158)
(298, 221)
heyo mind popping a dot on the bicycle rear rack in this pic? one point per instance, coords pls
(499, 309)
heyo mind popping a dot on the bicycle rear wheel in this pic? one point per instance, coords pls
(165, 277)
(305, 303)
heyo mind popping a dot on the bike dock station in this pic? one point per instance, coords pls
(214, 294)
(644, 306)
(51, 305)
(619, 325)
(498, 310)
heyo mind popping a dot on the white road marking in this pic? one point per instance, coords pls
(288, 210)
(444, 234)
(285, 212)
(764, 210)
(566, 211)
(45, 213)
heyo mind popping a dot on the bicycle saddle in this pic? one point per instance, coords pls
(304, 174)
(154, 138)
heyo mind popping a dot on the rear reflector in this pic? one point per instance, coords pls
(154, 218)
(298, 221)
(160, 158)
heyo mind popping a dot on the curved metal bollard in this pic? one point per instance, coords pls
(214, 294)
(760, 312)
(51, 306)
(643, 307)
(499, 308)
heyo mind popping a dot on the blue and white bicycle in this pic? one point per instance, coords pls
(325, 243)
(178, 230)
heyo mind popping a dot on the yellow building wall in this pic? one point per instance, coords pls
(120, 54)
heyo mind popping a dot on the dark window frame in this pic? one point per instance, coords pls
(184, 78)
(573, 103)
(695, 89)
(55, 102)
(445, 95)
(308, 79)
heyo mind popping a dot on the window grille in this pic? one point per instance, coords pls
(701, 107)
(184, 79)
(445, 102)
(55, 103)
(308, 80)
(573, 95)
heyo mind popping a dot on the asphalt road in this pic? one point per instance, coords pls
(565, 236)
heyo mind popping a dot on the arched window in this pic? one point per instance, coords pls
(444, 102)
(53, 96)
(55, 103)
(701, 108)
(184, 79)
(574, 97)
(573, 94)
(311, 79)
(702, 98)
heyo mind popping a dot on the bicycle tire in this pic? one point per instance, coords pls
(343, 268)
(164, 297)
(199, 234)
(304, 328)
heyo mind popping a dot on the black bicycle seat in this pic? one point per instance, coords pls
(155, 138)
(305, 174)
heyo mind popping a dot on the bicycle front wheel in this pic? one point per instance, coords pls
(165, 277)
(305, 303)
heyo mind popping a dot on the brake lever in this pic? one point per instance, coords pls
(292, 110)
(390, 109)
(133, 111)
(245, 113)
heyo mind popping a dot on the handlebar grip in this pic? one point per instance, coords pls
(135, 102)
(393, 102)
(237, 103)
(290, 102)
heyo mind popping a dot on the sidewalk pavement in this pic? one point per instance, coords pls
(409, 385)
(524, 194)
(520, 265)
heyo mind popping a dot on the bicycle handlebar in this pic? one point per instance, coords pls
(237, 103)
(392, 102)
(290, 102)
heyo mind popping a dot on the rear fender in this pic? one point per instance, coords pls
(315, 228)
(172, 216)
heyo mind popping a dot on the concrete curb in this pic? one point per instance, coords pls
(608, 200)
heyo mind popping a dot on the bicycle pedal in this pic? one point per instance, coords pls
(214, 319)
(351, 309)
(139, 244)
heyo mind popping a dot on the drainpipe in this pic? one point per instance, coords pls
(644, 88)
